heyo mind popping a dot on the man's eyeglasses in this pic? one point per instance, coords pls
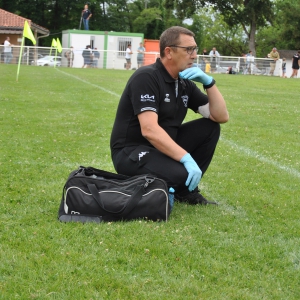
(189, 50)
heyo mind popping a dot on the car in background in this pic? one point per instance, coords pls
(49, 61)
(30, 59)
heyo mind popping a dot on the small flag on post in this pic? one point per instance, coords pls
(59, 48)
(27, 33)
(54, 44)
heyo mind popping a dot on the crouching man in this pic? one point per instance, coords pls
(148, 135)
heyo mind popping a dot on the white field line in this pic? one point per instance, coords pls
(92, 84)
(241, 149)
(259, 157)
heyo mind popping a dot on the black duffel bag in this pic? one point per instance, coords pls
(95, 195)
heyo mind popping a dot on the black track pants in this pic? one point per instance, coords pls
(198, 137)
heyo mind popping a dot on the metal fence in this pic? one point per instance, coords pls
(240, 65)
(45, 56)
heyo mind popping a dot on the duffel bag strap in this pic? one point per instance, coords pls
(131, 204)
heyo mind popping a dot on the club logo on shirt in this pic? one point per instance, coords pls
(167, 99)
(185, 100)
(146, 97)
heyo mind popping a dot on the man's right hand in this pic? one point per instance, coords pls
(193, 170)
(196, 74)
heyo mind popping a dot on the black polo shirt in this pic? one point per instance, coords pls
(151, 88)
(86, 13)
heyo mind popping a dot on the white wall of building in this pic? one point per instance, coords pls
(107, 44)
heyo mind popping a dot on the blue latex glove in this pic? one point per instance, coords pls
(196, 74)
(194, 171)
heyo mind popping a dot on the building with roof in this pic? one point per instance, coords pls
(12, 25)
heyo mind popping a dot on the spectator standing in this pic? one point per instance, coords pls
(214, 55)
(70, 57)
(87, 57)
(140, 56)
(249, 63)
(7, 51)
(128, 57)
(96, 57)
(86, 15)
(283, 68)
(295, 64)
(274, 55)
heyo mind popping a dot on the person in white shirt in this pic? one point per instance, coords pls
(7, 51)
(128, 57)
(250, 63)
(214, 54)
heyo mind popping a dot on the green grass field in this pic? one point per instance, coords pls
(54, 120)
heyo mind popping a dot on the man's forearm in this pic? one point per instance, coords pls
(158, 137)
(217, 105)
(162, 142)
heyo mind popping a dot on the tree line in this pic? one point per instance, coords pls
(233, 26)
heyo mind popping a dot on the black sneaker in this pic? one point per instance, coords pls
(194, 198)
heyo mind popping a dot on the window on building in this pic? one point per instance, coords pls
(123, 42)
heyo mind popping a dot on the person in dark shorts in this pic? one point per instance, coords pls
(86, 54)
(128, 55)
(295, 64)
(148, 134)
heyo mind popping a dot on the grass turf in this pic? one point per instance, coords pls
(54, 120)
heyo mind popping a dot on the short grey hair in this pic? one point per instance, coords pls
(171, 37)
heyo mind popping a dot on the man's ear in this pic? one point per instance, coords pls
(168, 52)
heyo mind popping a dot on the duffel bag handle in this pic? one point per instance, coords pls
(131, 204)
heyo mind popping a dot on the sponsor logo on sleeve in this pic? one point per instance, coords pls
(147, 97)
